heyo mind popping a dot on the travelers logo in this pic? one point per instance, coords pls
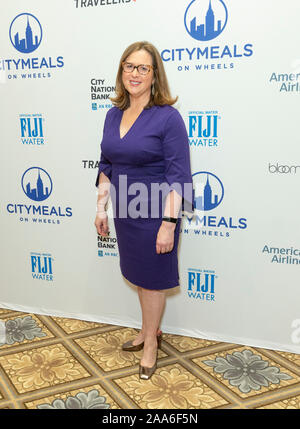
(209, 190)
(36, 184)
(25, 33)
(205, 19)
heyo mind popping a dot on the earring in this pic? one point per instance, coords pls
(152, 89)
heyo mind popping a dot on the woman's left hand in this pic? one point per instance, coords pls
(165, 237)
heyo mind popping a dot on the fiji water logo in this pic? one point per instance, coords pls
(25, 33)
(201, 284)
(205, 19)
(203, 128)
(41, 266)
(31, 128)
(36, 183)
(209, 191)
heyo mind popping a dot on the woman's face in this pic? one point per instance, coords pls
(135, 83)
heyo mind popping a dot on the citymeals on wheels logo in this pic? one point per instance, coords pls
(37, 185)
(26, 34)
(204, 21)
(209, 194)
(205, 24)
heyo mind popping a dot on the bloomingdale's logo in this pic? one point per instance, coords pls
(283, 169)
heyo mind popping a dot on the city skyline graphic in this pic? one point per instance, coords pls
(38, 193)
(31, 41)
(209, 29)
(208, 199)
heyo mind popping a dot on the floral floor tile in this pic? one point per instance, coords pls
(91, 397)
(74, 325)
(170, 387)
(24, 329)
(42, 367)
(246, 371)
(106, 349)
(185, 344)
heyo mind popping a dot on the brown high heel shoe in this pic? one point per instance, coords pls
(129, 347)
(144, 371)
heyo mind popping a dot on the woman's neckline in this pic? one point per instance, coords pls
(132, 126)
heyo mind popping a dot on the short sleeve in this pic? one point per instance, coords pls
(104, 164)
(176, 152)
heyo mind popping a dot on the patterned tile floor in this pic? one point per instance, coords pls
(53, 362)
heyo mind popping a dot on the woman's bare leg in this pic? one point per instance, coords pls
(153, 303)
(141, 335)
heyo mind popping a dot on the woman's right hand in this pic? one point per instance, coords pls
(101, 224)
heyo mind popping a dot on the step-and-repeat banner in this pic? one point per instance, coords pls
(235, 66)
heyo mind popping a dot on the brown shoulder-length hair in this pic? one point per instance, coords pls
(161, 91)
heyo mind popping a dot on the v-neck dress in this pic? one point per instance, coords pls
(153, 152)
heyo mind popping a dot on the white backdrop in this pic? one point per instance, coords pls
(243, 250)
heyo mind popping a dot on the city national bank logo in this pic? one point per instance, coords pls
(107, 246)
(37, 185)
(209, 194)
(212, 20)
(41, 266)
(203, 129)
(201, 284)
(205, 21)
(101, 92)
(32, 129)
(25, 34)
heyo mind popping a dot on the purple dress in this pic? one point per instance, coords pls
(154, 150)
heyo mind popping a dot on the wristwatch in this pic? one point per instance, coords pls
(170, 219)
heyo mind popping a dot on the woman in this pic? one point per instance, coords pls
(145, 142)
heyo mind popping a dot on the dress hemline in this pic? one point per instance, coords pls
(144, 287)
